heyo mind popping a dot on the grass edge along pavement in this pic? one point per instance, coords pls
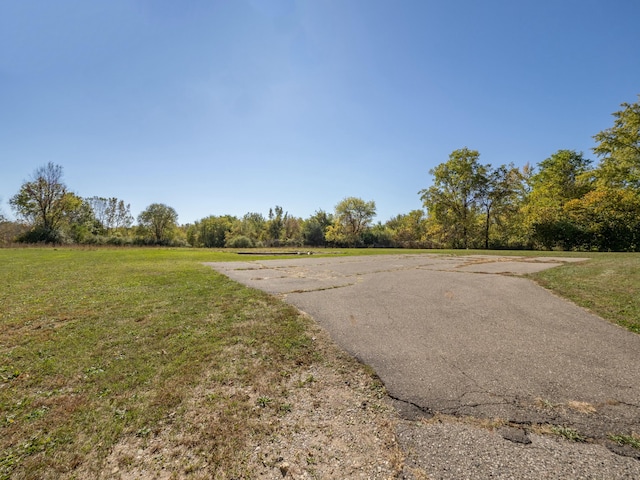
(608, 285)
(98, 345)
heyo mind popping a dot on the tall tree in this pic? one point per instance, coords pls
(352, 217)
(292, 231)
(452, 201)
(120, 214)
(499, 196)
(45, 204)
(408, 230)
(248, 231)
(99, 206)
(43, 200)
(79, 219)
(315, 227)
(619, 149)
(160, 220)
(607, 219)
(211, 231)
(275, 226)
(562, 177)
(111, 213)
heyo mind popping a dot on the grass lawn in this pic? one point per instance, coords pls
(608, 284)
(98, 345)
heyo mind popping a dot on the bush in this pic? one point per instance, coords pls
(43, 235)
(119, 241)
(239, 241)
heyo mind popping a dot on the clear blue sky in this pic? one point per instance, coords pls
(235, 106)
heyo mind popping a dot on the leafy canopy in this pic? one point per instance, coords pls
(619, 149)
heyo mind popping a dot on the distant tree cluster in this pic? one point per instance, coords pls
(346, 228)
(563, 203)
(50, 213)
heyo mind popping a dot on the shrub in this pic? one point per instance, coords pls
(239, 241)
(43, 235)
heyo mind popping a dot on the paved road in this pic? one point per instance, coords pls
(469, 337)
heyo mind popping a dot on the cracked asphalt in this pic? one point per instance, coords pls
(468, 337)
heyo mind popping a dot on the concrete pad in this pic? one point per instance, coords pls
(465, 336)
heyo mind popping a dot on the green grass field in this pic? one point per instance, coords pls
(608, 285)
(101, 344)
(98, 344)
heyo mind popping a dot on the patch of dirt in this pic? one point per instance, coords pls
(341, 427)
(338, 423)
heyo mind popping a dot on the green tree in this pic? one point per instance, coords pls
(500, 195)
(111, 213)
(452, 202)
(408, 230)
(564, 176)
(211, 231)
(79, 220)
(352, 217)
(292, 231)
(160, 221)
(619, 149)
(314, 228)
(378, 235)
(42, 200)
(252, 226)
(121, 214)
(608, 219)
(44, 203)
(275, 226)
(313, 233)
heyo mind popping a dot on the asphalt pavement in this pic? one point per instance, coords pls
(469, 338)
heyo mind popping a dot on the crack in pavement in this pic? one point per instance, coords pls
(318, 289)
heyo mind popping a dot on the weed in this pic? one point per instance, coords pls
(37, 413)
(93, 370)
(631, 440)
(8, 373)
(307, 381)
(568, 433)
(143, 432)
(378, 389)
(264, 402)
(545, 404)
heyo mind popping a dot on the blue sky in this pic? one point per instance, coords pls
(235, 106)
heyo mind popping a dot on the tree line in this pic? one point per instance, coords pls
(564, 202)
(49, 212)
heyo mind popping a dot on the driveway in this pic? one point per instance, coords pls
(467, 336)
